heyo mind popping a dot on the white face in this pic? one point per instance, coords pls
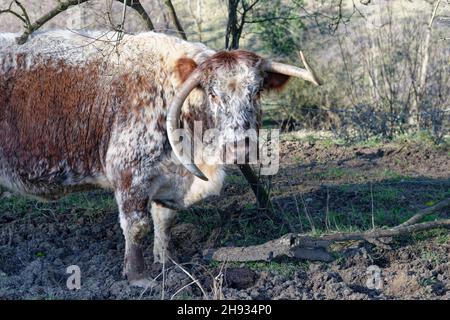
(232, 82)
(233, 97)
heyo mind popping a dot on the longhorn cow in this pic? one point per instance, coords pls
(83, 111)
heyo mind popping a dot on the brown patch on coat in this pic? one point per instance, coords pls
(184, 67)
(228, 59)
(161, 122)
(54, 117)
(232, 85)
(126, 179)
(138, 92)
(275, 81)
(134, 204)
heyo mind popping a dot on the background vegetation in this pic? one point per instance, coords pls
(384, 63)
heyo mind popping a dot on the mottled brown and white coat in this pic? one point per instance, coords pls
(85, 111)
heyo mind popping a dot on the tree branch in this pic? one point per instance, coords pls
(174, 17)
(63, 6)
(424, 212)
(137, 6)
(23, 17)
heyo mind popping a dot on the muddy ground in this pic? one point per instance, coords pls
(340, 187)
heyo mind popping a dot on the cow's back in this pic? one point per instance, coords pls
(65, 98)
(55, 114)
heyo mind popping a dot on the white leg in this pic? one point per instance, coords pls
(163, 219)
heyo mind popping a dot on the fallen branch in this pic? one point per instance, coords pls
(317, 248)
(61, 7)
(422, 213)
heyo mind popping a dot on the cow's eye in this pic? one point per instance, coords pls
(212, 96)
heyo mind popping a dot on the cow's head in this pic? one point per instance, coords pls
(232, 82)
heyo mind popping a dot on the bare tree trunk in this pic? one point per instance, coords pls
(235, 25)
(231, 36)
(414, 117)
(174, 17)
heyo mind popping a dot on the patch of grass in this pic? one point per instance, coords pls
(336, 173)
(208, 218)
(329, 142)
(393, 175)
(332, 173)
(425, 282)
(284, 268)
(235, 179)
(443, 238)
(441, 235)
(432, 257)
(421, 137)
(371, 142)
(17, 205)
(249, 232)
(184, 295)
(249, 206)
(40, 254)
(89, 204)
(385, 194)
(323, 139)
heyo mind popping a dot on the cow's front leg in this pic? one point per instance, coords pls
(163, 219)
(134, 221)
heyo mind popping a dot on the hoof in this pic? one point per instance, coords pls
(143, 281)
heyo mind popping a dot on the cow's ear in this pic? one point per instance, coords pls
(275, 81)
(184, 67)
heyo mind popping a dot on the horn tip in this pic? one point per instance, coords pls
(200, 175)
(196, 172)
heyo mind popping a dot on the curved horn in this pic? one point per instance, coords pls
(308, 74)
(173, 118)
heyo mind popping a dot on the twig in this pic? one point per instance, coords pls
(63, 6)
(327, 211)
(424, 212)
(372, 207)
(192, 278)
(308, 216)
(23, 17)
(137, 6)
(181, 289)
